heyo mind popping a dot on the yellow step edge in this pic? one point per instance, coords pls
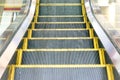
(60, 66)
(29, 33)
(12, 73)
(91, 34)
(60, 4)
(101, 55)
(95, 41)
(109, 72)
(19, 57)
(25, 43)
(59, 50)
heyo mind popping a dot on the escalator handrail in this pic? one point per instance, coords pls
(109, 46)
(12, 46)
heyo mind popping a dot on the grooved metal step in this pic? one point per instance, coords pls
(59, 26)
(79, 43)
(60, 10)
(82, 73)
(60, 19)
(60, 1)
(62, 57)
(57, 33)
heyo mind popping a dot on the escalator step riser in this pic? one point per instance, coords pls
(69, 57)
(61, 74)
(62, 19)
(38, 44)
(60, 1)
(60, 10)
(81, 33)
(59, 26)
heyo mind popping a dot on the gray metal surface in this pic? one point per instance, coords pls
(60, 1)
(59, 26)
(61, 19)
(69, 57)
(60, 10)
(54, 44)
(60, 74)
(55, 33)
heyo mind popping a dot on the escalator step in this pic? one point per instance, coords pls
(60, 1)
(59, 26)
(54, 33)
(69, 57)
(61, 19)
(60, 10)
(38, 44)
(82, 73)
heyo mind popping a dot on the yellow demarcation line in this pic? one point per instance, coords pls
(102, 61)
(29, 33)
(36, 13)
(112, 75)
(33, 25)
(19, 57)
(12, 72)
(25, 43)
(82, 1)
(91, 33)
(84, 13)
(60, 50)
(60, 4)
(95, 41)
(60, 66)
(109, 73)
(87, 25)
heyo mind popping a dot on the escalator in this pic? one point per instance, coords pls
(60, 44)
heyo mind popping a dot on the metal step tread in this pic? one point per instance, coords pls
(60, 19)
(69, 57)
(63, 33)
(59, 26)
(60, 10)
(69, 73)
(82, 43)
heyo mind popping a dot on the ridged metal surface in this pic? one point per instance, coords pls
(60, 10)
(61, 19)
(69, 57)
(59, 26)
(60, 74)
(54, 33)
(60, 1)
(82, 43)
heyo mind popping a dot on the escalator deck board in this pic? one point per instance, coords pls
(38, 44)
(60, 10)
(69, 57)
(54, 33)
(82, 73)
(59, 26)
(61, 19)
